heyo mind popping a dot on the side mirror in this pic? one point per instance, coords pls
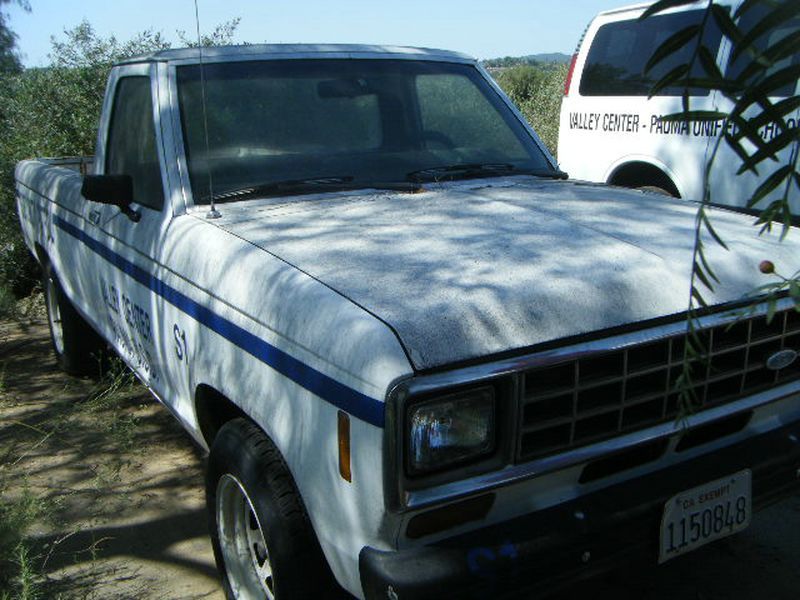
(116, 190)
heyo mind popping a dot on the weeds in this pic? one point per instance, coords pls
(18, 575)
(107, 405)
(107, 410)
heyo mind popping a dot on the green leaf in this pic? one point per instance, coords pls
(709, 83)
(777, 211)
(734, 145)
(780, 50)
(783, 107)
(774, 17)
(787, 220)
(698, 271)
(710, 228)
(767, 221)
(769, 184)
(695, 344)
(771, 307)
(672, 44)
(699, 298)
(725, 23)
(769, 86)
(770, 150)
(674, 76)
(663, 5)
(744, 129)
(707, 267)
(794, 291)
(709, 64)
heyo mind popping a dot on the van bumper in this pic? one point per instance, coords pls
(592, 534)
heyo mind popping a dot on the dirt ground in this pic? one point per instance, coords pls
(117, 489)
(118, 485)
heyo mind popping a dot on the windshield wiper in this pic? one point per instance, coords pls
(311, 185)
(476, 170)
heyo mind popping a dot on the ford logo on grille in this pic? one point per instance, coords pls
(781, 360)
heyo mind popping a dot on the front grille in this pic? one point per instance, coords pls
(588, 399)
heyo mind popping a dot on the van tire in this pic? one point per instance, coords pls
(77, 347)
(260, 532)
(655, 189)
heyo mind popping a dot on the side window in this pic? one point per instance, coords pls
(132, 141)
(619, 52)
(773, 35)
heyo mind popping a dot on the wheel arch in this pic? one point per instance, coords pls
(212, 410)
(41, 254)
(639, 172)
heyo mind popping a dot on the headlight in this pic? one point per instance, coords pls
(450, 430)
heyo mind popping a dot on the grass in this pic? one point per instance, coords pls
(106, 410)
(105, 405)
(19, 577)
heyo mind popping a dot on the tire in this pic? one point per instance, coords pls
(77, 347)
(263, 541)
(655, 190)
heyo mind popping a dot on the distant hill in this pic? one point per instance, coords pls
(551, 57)
(530, 59)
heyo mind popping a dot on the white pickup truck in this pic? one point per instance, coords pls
(424, 363)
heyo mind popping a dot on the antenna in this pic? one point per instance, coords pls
(213, 213)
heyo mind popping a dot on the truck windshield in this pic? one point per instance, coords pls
(366, 122)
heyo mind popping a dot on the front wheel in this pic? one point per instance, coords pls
(263, 542)
(77, 347)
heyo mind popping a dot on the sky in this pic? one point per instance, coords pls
(484, 29)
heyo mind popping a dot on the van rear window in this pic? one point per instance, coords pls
(620, 51)
(767, 39)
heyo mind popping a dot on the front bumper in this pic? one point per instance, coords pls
(577, 539)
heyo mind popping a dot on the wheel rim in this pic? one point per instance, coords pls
(54, 316)
(242, 541)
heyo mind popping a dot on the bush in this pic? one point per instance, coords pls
(55, 111)
(537, 92)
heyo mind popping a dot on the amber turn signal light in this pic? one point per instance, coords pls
(344, 446)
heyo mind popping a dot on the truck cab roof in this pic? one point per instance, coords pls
(294, 51)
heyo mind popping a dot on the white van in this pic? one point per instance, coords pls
(611, 132)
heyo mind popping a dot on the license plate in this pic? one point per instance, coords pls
(706, 513)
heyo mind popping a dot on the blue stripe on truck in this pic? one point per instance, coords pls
(352, 401)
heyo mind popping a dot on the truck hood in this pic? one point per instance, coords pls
(464, 270)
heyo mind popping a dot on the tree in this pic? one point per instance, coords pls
(55, 111)
(9, 60)
(221, 35)
(764, 36)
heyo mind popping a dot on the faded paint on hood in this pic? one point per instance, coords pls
(468, 269)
